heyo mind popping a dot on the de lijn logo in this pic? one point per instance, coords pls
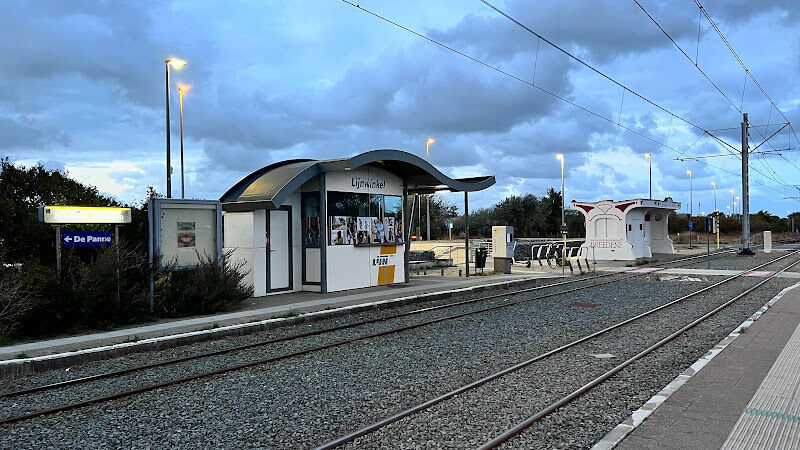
(86, 238)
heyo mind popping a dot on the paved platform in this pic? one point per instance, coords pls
(256, 309)
(747, 396)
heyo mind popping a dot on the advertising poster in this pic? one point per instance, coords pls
(311, 232)
(339, 230)
(362, 230)
(398, 232)
(391, 236)
(186, 234)
(351, 230)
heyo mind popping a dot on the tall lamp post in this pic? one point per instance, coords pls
(428, 143)
(560, 157)
(650, 163)
(733, 201)
(182, 89)
(176, 64)
(691, 200)
(738, 204)
(713, 184)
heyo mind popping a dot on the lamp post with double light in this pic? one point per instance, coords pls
(428, 143)
(691, 200)
(560, 157)
(176, 64)
(650, 163)
(182, 89)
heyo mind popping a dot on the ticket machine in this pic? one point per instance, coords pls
(503, 248)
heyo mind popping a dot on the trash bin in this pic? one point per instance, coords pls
(480, 258)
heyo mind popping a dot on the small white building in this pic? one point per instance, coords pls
(626, 230)
(332, 225)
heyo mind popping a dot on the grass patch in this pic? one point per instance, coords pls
(22, 355)
(287, 315)
(134, 338)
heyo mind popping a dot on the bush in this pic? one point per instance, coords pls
(205, 289)
(33, 303)
(17, 298)
(112, 288)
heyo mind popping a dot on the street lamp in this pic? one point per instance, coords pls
(182, 89)
(560, 157)
(733, 198)
(176, 64)
(715, 196)
(691, 200)
(740, 206)
(428, 143)
(650, 162)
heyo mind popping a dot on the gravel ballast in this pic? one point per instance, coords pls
(307, 400)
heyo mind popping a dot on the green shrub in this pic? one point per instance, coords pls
(207, 288)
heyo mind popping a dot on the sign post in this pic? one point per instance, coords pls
(58, 251)
(64, 215)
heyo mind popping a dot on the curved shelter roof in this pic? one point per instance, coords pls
(269, 186)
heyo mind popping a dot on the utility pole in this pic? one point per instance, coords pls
(745, 191)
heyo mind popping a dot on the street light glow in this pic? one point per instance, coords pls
(714, 184)
(184, 88)
(176, 63)
(560, 157)
(431, 141)
(688, 172)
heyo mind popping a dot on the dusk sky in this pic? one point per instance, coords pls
(83, 91)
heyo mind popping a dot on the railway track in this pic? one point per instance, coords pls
(521, 426)
(607, 279)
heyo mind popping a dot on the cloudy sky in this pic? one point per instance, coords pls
(82, 89)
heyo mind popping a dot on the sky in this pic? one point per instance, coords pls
(82, 90)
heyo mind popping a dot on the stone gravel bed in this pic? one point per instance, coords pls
(291, 328)
(306, 400)
(588, 419)
(475, 417)
(738, 262)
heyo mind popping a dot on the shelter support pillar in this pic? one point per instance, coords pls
(324, 235)
(466, 231)
(406, 226)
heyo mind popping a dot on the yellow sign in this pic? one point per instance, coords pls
(83, 214)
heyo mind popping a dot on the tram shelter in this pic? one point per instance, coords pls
(330, 225)
(626, 230)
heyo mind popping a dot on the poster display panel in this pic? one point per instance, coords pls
(184, 232)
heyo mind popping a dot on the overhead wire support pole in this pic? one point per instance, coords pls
(746, 251)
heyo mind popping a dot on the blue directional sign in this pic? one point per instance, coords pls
(691, 225)
(86, 238)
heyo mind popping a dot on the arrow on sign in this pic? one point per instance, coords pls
(68, 238)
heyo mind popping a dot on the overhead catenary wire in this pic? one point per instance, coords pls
(560, 97)
(741, 63)
(774, 176)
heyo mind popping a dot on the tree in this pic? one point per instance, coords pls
(22, 191)
(441, 211)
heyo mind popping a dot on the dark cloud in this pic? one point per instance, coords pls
(273, 82)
